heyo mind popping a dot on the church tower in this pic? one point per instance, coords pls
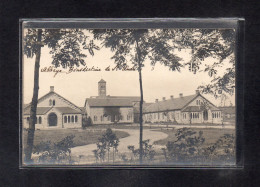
(102, 88)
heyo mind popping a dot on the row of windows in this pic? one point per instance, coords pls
(71, 119)
(216, 114)
(38, 120)
(52, 102)
(157, 116)
(108, 118)
(194, 115)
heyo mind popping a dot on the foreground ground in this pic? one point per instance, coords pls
(82, 137)
(158, 134)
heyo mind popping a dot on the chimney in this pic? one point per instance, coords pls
(51, 88)
(197, 92)
(181, 94)
(156, 100)
(163, 98)
(172, 97)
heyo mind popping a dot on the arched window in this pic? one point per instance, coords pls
(53, 102)
(95, 118)
(76, 119)
(72, 119)
(68, 119)
(36, 120)
(50, 102)
(65, 119)
(40, 120)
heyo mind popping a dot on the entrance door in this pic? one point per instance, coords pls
(52, 119)
(205, 115)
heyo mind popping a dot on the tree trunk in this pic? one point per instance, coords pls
(32, 121)
(141, 105)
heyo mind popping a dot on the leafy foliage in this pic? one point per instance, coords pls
(66, 45)
(55, 153)
(107, 141)
(185, 147)
(148, 151)
(224, 148)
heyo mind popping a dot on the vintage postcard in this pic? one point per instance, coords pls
(128, 97)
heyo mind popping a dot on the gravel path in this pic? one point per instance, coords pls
(132, 139)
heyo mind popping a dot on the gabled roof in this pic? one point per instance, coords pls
(105, 102)
(68, 110)
(180, 103)
(44, 110)
(170, 104)
(47, 95)
(39, 111)
(102, 81)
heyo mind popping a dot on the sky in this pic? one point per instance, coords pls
(77, 86)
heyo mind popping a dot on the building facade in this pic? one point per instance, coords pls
(54, 111)
(106, 109)
(183, 110)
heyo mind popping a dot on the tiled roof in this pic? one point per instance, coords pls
(68, 110)
(100, 102)
(44, 110)
(39, 111)
(52, 93)
(228, 109)
(131, 98)
(171, 104)
(137, 107)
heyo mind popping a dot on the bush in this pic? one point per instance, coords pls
(54, 153)
(148, 151)
(185, 147)
(223, 149)
(107, 141)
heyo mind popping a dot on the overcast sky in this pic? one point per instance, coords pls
(78, 86)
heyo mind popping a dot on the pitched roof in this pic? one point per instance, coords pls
(102, 80)
(44, 110)
(131, 98)
(102, 102)
(137, 107)
(39, 111)
(170, 104)
(228, 109)
(68, 110)
(48, 94)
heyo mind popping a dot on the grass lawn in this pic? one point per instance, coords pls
(82, 137)
(211, 135)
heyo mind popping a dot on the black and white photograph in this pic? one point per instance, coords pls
(128, 97)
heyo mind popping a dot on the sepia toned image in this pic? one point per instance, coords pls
(128, 97)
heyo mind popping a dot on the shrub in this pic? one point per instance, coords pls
(107, 141)
(56, 153)
(187, 146)
(148, 151)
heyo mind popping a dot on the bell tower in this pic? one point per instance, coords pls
(102, 88)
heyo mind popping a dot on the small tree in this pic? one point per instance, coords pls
(105, 143)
